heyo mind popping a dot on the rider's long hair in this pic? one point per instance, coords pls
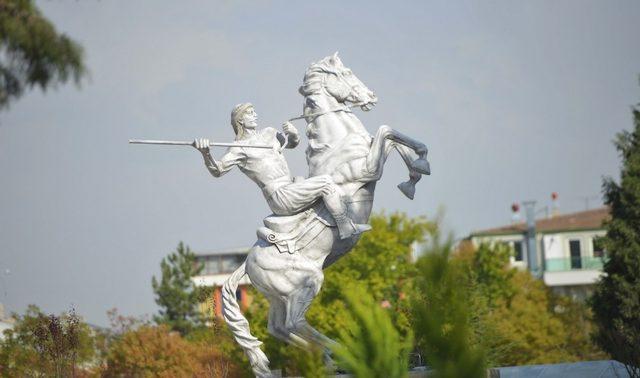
(236, 117)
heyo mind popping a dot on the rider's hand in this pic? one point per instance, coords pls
(202, 145)
(288, 128)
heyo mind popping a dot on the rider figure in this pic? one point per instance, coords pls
(268, 168)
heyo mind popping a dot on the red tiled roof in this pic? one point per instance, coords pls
(583, 220)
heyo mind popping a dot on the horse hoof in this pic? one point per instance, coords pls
(408, 189)
(422, 166)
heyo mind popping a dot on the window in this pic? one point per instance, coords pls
(220, 264)
(231, 262)
(517, 250)
(598, 247)
(210, 263)
(576, 256)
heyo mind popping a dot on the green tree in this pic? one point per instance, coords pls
(46, 345)
(443, 321)
(616, 300)
(176, 293)
(527, 330)
(577, 318)
(382, 262)
(516, 318)
(34, 53)
(371, 347)
(493, 273)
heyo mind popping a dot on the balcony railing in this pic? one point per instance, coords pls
(574, 263)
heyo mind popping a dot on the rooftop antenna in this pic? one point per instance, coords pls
(587, 200)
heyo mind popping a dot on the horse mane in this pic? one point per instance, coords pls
(312, 81)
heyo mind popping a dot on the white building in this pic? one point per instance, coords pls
(568, 249)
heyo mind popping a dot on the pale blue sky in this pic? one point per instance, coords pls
(514, 99)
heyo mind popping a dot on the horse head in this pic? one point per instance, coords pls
(329, 76)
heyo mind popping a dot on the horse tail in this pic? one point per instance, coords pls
(240, 326)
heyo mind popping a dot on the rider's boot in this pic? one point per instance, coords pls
(338, 209)
(347, 229)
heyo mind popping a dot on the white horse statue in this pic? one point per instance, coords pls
(286, 262)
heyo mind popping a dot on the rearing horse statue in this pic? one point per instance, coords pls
(286, 262)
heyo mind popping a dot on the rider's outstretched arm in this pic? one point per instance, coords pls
(217, 168)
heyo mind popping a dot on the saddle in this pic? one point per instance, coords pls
(290, 233)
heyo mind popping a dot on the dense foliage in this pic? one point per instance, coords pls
(382, 261)
(371, 347)
(616, 301)
(155, 351)
(443, 319)
(520, 321)
(33, 52)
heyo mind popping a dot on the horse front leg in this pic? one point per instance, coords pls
(408, 188)
(385, 139)
(420, 165)
(379, 150)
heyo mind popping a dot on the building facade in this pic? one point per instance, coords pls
(569, 250)
(217, 267)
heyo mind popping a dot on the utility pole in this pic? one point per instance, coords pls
(532, 254)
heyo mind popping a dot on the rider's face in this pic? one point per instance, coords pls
(250, 119)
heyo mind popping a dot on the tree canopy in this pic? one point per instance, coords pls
(176, 293)
(34, 53)
(616, 301)
(46, 345)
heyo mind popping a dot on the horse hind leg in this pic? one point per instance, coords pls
(296, 322)
(277, 325)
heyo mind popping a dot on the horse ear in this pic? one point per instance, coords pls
(334, 58)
